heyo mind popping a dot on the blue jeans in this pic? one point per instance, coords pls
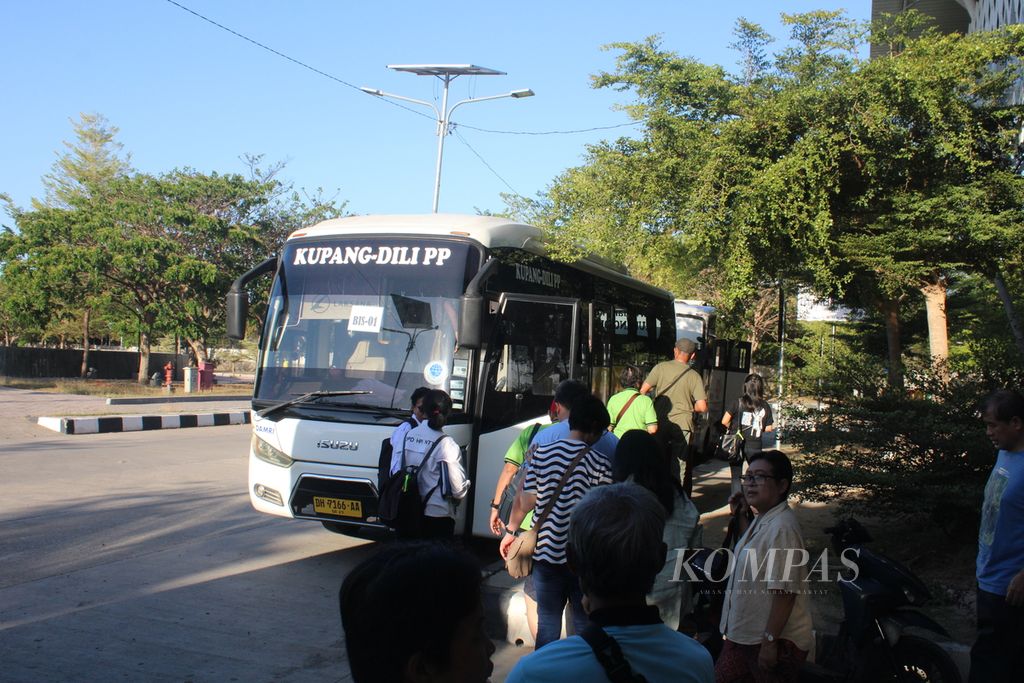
(555, 585)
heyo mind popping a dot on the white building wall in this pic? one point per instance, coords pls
(990, 14)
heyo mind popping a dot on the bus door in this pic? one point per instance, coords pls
(533, 348)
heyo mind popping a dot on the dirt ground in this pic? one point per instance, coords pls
(945, 566)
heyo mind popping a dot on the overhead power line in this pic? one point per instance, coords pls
(550, 132)
(484, 161)
(290, 59)
(391, 102)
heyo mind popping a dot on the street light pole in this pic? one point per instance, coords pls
(442, 133)
(446, 73)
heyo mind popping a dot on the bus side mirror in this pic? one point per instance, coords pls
(238, 313)
(471, 321)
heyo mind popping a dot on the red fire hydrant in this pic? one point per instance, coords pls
(168, 373)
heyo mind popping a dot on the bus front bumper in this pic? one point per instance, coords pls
(316, 491)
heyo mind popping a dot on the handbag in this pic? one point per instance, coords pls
(730, 447)
(519, 562)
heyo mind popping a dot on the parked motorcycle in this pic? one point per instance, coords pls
(880, 607)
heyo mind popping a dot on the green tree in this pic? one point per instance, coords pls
(91, 160)
(729, 189)
(873, 179)
(926, 185)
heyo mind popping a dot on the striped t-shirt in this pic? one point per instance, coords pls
(542, 476)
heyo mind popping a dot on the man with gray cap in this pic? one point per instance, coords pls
(678, 393)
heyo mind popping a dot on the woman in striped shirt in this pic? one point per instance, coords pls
(553, 581)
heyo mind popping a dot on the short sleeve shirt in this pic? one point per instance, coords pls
(516, 455)
(548, 465)
(639, 415)
(516, 452)
(751, 424)
(656, 652)
(761, 566)
(1001, 536)
(683, 393)
(606, 445)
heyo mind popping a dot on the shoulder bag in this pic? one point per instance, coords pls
(730, 447)
(519, 562)
(609, 655)
(508, 496)
(622, 412)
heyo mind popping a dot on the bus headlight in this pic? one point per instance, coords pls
(267, 453)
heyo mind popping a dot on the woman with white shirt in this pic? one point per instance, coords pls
(766, 619)
(442, 477)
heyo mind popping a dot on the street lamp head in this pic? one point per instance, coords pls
(525, 92)
(372, 91)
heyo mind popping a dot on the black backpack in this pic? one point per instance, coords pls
(384, 462)
(401, 506)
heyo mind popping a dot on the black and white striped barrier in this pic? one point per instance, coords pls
(136, 423)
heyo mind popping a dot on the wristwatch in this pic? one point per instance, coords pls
(495, 506)
(769, 637)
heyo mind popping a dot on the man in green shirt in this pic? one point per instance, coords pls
(678, 392)
(629, 409)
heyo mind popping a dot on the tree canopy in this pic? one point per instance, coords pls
(871, 178)
(153, 254)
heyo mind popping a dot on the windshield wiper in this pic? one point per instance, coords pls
(380, 411)
(408, 349)
(306, 398)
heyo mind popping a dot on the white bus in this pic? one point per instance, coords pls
(365, 309)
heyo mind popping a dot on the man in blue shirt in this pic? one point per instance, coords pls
(566, 394)
(997, 655)
(615, 547)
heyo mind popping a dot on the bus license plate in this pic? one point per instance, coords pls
(338, 506)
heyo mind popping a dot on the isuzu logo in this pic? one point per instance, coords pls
(338, 445)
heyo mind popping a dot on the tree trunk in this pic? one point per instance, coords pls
(890, 308)
(934, 290)
(143, 357)
(1011, 313)
(85, 343)
(198, 347)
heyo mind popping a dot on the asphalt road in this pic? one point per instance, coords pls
(136, 556)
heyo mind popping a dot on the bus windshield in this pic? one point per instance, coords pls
(371, 315)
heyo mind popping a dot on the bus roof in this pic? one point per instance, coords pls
(488, 231)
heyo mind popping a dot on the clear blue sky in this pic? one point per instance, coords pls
(186, 93)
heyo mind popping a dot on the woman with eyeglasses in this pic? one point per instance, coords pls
(766, 619)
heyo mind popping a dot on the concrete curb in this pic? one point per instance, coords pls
(135, 423)
(178, 399)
